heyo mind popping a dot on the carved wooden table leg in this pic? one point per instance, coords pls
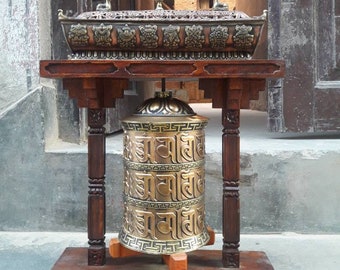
(96, 198)
(231, 173)
(96, 95)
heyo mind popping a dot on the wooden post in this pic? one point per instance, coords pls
(96, 197)
(231, 173)
(96, 170)
(96, 95)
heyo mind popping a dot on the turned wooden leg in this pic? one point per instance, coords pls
(96, 197)
(231, 204)
(231, 174)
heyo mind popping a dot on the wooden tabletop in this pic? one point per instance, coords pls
(133, 69)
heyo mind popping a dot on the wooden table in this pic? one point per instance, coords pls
(231, 84)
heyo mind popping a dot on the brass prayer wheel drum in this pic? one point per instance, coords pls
(164, 178)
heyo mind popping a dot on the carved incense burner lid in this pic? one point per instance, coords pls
(162, 15)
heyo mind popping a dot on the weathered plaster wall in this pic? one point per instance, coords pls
(337, 28)
(19, 43)
(24, 189)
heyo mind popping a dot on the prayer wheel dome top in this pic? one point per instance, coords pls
(163, 104)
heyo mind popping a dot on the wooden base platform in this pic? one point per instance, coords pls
(76, 259)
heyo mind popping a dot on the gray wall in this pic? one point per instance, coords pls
(19, 43)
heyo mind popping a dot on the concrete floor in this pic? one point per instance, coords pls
(39, 251)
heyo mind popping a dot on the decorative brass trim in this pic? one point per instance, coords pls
(102, 35)
(243, 38)
(148, 36)
(78, 35)
(163, 247)
(163, 127)
(143, 55)
(126, 37)
(194, 37)
(164, 148)
(218, 37)
(164, 186)
(163, 205)
(171, 36)
(162, 167)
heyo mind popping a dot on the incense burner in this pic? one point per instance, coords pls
(162, 34)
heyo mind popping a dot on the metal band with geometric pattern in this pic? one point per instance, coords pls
(163, 127)
(162, 167)
(162, 205)
(163, 247)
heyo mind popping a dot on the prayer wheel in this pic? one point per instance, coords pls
(164, 178)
